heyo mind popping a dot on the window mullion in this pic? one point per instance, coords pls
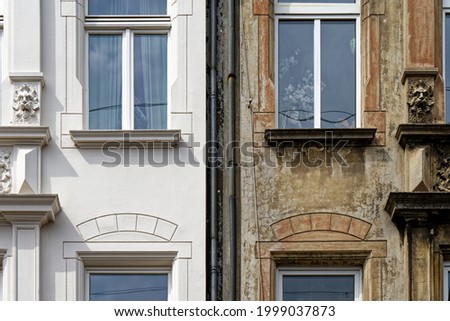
(126, 81)
(317, 74)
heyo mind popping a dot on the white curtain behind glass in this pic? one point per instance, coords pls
(127, 7)
(150, 81)
(105, 81)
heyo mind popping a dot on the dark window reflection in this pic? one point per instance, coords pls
(127, 7)
(128, 287)
(318, 288)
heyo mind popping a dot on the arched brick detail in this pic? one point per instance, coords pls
(127, 222)
(321, 226)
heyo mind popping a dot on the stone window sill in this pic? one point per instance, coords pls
(298, 137)
(24, 135)
(422, 134)
(97, 139)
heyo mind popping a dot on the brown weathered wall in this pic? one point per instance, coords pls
(360, 190)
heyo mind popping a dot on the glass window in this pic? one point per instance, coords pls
(109, 77)
(317, 71)
(319, 285)
(447, 281)
(128, 287)
(447, 67)
(127, 65)
(127, 7)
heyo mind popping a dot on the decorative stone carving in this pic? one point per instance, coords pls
(420, 101)
(26, 103)
(5, 172)
(443, 176)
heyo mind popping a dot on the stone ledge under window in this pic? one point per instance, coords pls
(24, 135)
(96, 139)
(298, 137)
(29, 208)
(418, 208)
(422, 134)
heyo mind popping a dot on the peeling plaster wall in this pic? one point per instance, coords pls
(278, 188)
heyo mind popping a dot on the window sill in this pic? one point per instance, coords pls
(418, 208)
(24, 135)
(424, 134)
(298, 137)
(97, 139)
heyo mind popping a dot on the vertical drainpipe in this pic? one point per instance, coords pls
(213, 156)
(231, 79)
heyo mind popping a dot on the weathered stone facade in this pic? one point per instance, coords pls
(326, 204)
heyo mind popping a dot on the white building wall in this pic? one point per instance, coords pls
(144, 209)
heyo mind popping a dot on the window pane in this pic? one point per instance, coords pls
(128, 287)
(150, 81)
(338, 76)
(447, 68)
(448, 286)
(318, 288)
(316, 1)
(127, 7)
(296, 74)
(105, 81)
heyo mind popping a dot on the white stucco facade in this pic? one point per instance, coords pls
(64, 206)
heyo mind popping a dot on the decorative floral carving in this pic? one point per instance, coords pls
(26, 103)
(5, 173)
(420, 101)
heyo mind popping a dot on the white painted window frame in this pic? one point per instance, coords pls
(446, 280)
(140, 270)
(128, 26)
(317, 12)
(355, 272)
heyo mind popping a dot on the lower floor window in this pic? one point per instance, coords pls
(319, 285)
(132, 286)
(447, 281)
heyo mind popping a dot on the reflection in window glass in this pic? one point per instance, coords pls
(127, 7)
(296, 74)
(338, 76)
(447, 68)
(128, 287)
(316, 1)
(105, 81)
(150, 81)
(318, 288)
(448, 286)
(297, 62)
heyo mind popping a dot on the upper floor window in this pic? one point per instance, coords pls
(127, 45)
(447, 281)
(127, 286)
(446, 5)
(319, 284)
(317, 59)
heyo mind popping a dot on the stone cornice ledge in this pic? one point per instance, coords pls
(298, 137)
(29, 208)
(418, 134)
(24, 135)
(96, 139)
(418, 208)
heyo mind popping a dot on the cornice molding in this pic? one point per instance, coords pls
(422, 134)
(24, 135)
(97, 139)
